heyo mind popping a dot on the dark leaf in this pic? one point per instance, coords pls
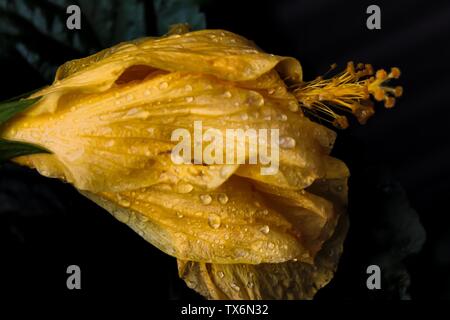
(12, 149)
(10, 108)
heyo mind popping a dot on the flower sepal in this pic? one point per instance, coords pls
(11, 149)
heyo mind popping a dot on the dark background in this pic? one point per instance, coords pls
(399, 189)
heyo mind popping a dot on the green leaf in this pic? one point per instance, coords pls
(10, 108)
(12, 149)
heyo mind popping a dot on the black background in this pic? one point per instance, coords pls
(399, 163)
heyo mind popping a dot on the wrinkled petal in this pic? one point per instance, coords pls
(287, 280)
(232, 224)
(126, 131)
(219, 53)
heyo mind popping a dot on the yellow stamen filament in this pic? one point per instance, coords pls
(349, 91)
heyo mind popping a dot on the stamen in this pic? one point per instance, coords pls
(350, 91)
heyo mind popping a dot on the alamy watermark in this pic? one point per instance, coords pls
(241, 146)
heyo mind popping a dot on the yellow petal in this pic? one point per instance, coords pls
(219, 53)
(100, 138)
(232, 224)
(286, 280)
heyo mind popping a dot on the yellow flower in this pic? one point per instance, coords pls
(108, 119)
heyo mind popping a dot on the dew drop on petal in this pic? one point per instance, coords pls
(132, 112)
(293, 106)
(124, 202)
(223, 198)
(110, 143)
(227, 94)
(188, 88)
(179, 214)
(287, 142)
(265, 229)
(189, 99)
(205, 198)
(214, 221)
(221, 274)
(163, 85)
(184, 188)
(225, 171)
(235, 286)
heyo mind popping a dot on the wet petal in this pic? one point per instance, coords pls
(219, 53)
(232, 224)
(100, 138)
(287, 280)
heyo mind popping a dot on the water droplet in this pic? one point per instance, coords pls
(146, 92)
(265, 229)
(110, 143)
(142, 218)
(163, 85)
(124, 202)
(179, 214)
(185, 188)
(223, 198)
(214, 221)
(189, 99)
(293, 106)
(235, 286)
(132, 112)
(282, 117)
(227, 94)
(205, 198)
(225, 171)
(188, 87)
(221, 274)
(271, 245)
(244, 117)
(287, 142)
(271, 91)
